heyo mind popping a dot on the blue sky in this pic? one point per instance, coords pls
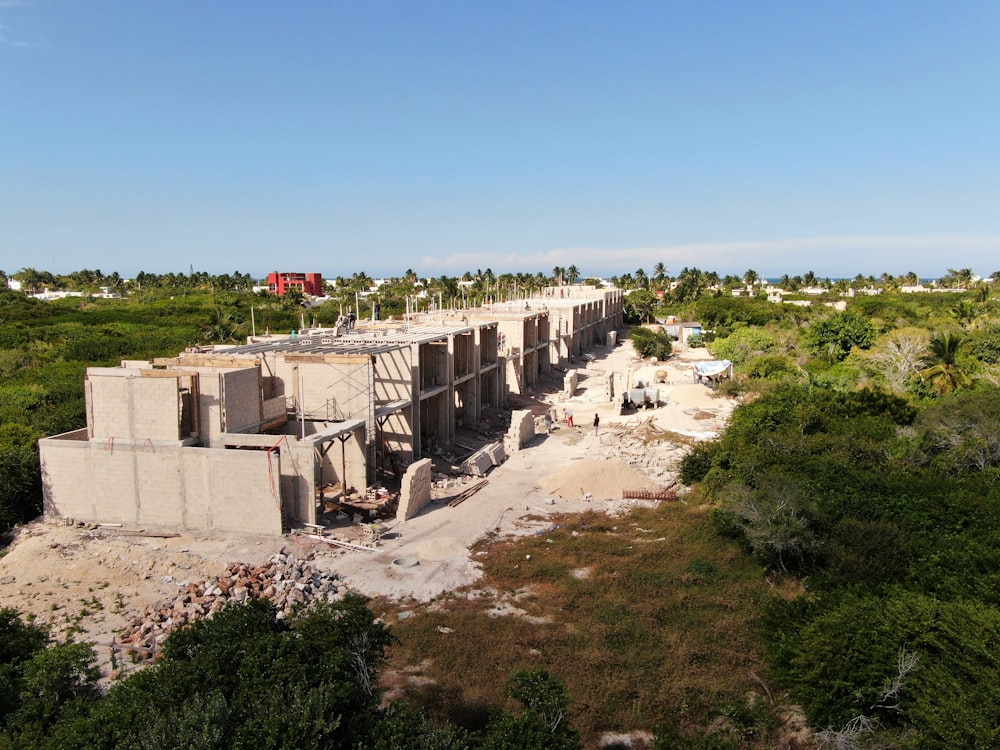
(839, 137)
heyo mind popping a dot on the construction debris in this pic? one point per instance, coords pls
(644, 446)
(284, 580)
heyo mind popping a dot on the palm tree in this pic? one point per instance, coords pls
(961, 278)
(641, 279)
(964, 311)
(889, 282)
(750, 277)
(221, 326)
(943, 373)
(659, 271)
(572, 273)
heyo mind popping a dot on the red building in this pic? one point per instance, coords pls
(307, 283)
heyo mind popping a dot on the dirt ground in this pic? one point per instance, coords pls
(86, 582)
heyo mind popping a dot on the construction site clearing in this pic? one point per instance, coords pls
(123, 589)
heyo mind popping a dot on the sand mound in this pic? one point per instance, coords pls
(602, 479)
(693, 396)
(441, 549)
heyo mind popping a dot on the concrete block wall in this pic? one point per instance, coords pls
(162, 486)
(155, 408)
(521, 431)
(243, 497)
(66, 478)
(209, 407)
(242, 394)
(123, 405)
(107, 413)
(416, 490)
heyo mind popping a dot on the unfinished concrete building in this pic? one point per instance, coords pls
(245, 439)
(248, 438)
(536, 333)
(583, 317)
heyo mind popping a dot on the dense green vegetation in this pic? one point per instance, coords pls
(248, 679)
(891, 516)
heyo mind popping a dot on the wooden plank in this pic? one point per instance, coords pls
(323, 359)
(208, 360)
(467, 493)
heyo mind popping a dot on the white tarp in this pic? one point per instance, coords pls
(713, 368)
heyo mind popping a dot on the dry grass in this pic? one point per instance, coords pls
(660, 632)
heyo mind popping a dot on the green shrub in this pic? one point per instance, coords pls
(650, 343)
(771, 367)
(697, 462)
(742, 345)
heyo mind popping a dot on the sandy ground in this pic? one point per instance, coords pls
(86, 581)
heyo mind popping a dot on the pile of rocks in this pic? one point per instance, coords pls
(285, 580)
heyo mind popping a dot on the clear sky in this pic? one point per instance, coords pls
(340, 136)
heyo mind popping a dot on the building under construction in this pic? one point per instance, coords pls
(246, 438)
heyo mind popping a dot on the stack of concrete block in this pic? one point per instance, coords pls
(284, 580)
(609, 387)
(522, 430)
(496, 451)
(478, 464)
(484, 459)
(415, 492)
(570, 383)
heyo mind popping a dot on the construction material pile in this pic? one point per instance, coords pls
(284, 580)
(644, 446)
(601, 479)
